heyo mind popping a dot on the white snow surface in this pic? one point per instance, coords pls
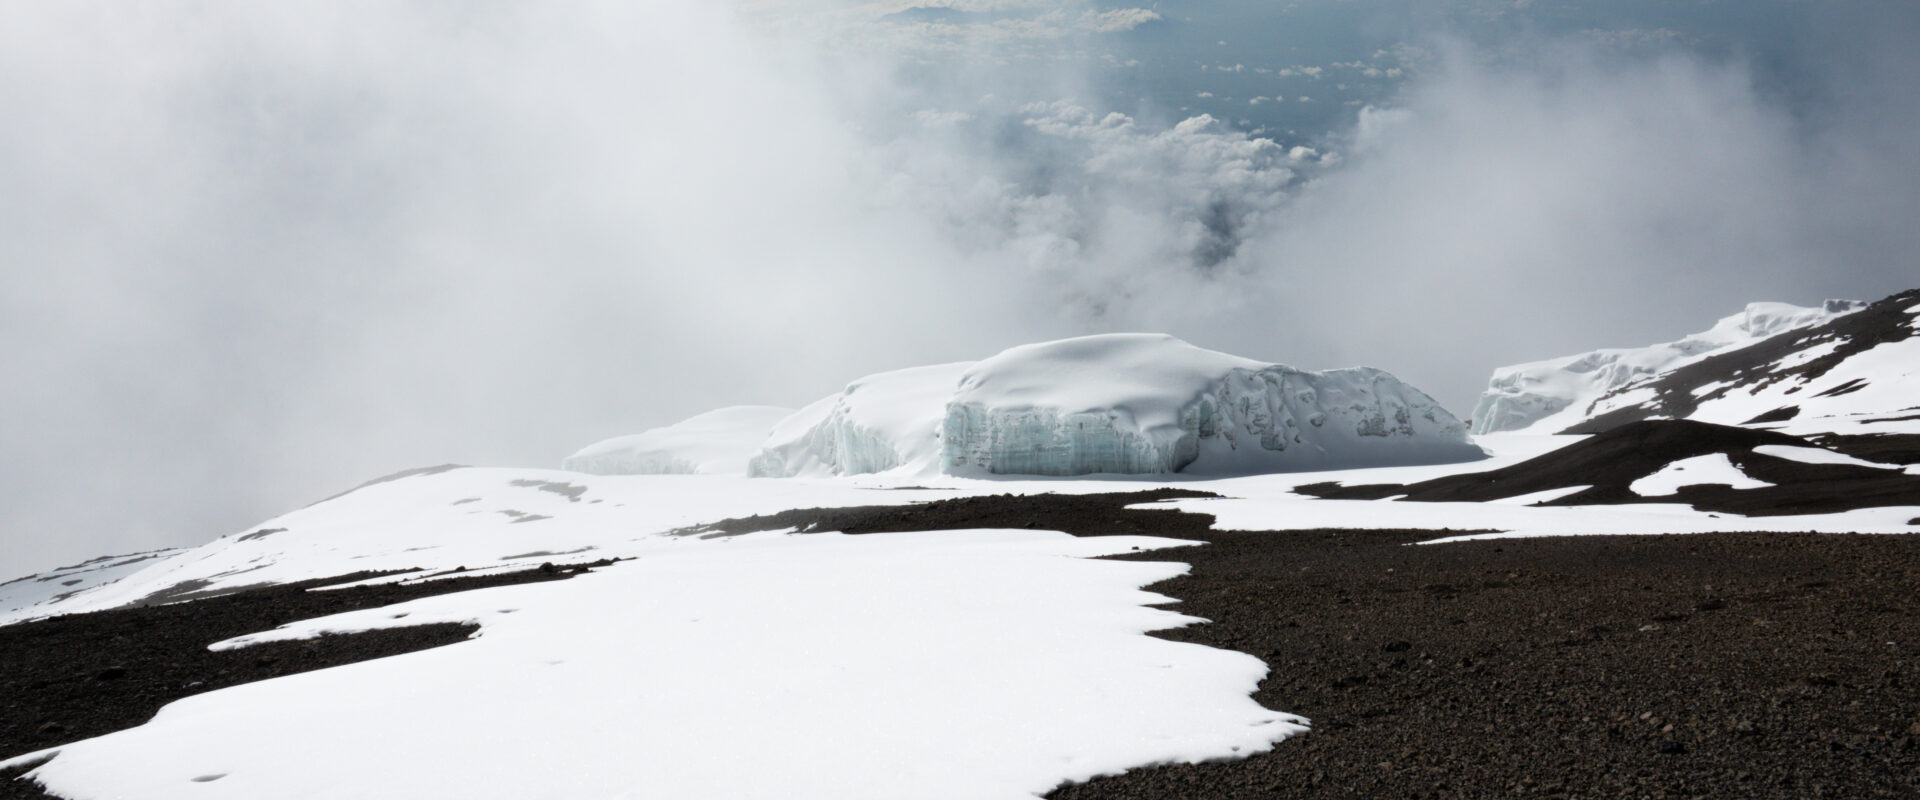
(957, 664)
(1117, 404)
(448, 517)
(1548, 396)
(718, 442)
(1875, 391)
(1816, 455)
(1710, 468)
(966, 664)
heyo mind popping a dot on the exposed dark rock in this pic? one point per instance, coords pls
(1079, 514)
(1611, 461)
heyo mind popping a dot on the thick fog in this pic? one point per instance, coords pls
(258, 253)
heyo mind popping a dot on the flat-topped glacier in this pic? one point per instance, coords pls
(1151, 403)
(718, 442)
(1555, 393)
(1115, 403)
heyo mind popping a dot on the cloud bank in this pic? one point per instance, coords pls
(259, 254)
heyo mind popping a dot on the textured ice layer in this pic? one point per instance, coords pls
(1150, 403)
(1522, 396)
(715, 443)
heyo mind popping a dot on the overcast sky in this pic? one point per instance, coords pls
(256, 253)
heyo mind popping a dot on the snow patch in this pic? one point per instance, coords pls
(1710, 468)
(956, 664)
(1815, 455)
(1544, 496)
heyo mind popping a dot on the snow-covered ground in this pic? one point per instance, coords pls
(502, 519)
(965, 664)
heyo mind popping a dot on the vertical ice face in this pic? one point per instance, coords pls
(1148, 403)
(1524, 395)
(715, 443)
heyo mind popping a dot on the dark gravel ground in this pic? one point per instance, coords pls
(75, 677)
(1711, 665)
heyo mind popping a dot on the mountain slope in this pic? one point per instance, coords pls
(1711, 467)
(1855, 374)
(1552, 394)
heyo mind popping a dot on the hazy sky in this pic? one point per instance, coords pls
(256, 253)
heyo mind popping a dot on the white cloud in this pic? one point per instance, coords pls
(1116, 20)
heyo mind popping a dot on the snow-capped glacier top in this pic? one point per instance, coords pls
(1151, 403)
(1133, 374)
(717, 442)
(1553, 394)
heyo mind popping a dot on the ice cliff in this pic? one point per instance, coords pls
(1150, 403)
(1556, 393)
(715, 443)
(1117, 403)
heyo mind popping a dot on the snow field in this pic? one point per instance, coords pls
(966, 664)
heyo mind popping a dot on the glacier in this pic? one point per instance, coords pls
(878, 423)
(718, 442)
(1114, 403)
(1553, 394)
(1151, 403)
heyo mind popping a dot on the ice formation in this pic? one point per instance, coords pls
(715, 443)
(1116, 403)
(1150, 403)
(1557, 391)
(878, 423)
